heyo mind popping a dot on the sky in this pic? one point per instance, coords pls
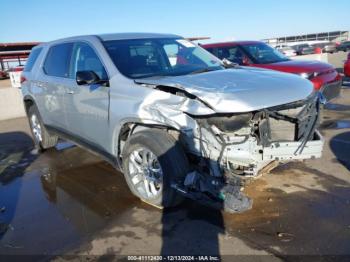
(222, 20)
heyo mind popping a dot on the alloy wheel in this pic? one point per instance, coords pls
(145, 173)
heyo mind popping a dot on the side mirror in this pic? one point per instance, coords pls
(225, 61)
(87, 78)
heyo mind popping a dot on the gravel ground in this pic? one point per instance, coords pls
(5, 83)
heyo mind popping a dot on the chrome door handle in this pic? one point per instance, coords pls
(70, 92)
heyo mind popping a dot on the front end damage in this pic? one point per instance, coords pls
(244, 144)
(234, 147)
(226, 149)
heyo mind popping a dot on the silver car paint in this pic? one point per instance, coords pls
(242, 89)
(98, 115)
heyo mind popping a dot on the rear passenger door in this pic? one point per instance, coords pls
(52, 83)
(87, 105)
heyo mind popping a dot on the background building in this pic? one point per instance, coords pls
(334, 36)
(14, 54)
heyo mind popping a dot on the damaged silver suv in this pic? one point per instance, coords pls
(176, 120)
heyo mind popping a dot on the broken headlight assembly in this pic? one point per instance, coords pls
(227, 123)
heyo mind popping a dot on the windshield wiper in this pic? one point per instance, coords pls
(202, 70)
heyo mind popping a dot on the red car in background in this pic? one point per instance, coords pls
(324, 76)
(3, 75)
(347, 67)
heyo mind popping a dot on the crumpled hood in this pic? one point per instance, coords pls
(239, 90)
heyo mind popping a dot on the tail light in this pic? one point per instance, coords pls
(23, 79)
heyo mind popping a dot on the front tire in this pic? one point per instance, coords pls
(152, 161)
(42, 138)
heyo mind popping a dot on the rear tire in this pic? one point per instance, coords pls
(42, 138)
(159, 153)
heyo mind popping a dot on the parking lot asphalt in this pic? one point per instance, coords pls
(337, 60)
(5, 83)
(68, 201)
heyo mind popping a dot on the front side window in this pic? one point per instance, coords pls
(233, 54)
(84, 58)
(159, 57)
(261, 53)
(57, 60)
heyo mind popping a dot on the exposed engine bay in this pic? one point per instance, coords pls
(247, 142)
(234, 147)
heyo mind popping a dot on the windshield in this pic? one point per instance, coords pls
(262, 53)
(141, 58)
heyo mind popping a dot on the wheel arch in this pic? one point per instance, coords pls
(132, 126)
(28, 101)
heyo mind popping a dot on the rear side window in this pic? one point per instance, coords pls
(32, 59)
(57, 60)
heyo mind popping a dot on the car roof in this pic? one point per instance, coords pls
(113, 36)
(232, 43)
(125, 36)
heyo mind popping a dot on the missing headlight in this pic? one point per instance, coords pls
(230, 123)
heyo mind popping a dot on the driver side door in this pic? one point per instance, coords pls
(87, 106)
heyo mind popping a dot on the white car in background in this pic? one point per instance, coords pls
(286, 50)
(15, 76)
